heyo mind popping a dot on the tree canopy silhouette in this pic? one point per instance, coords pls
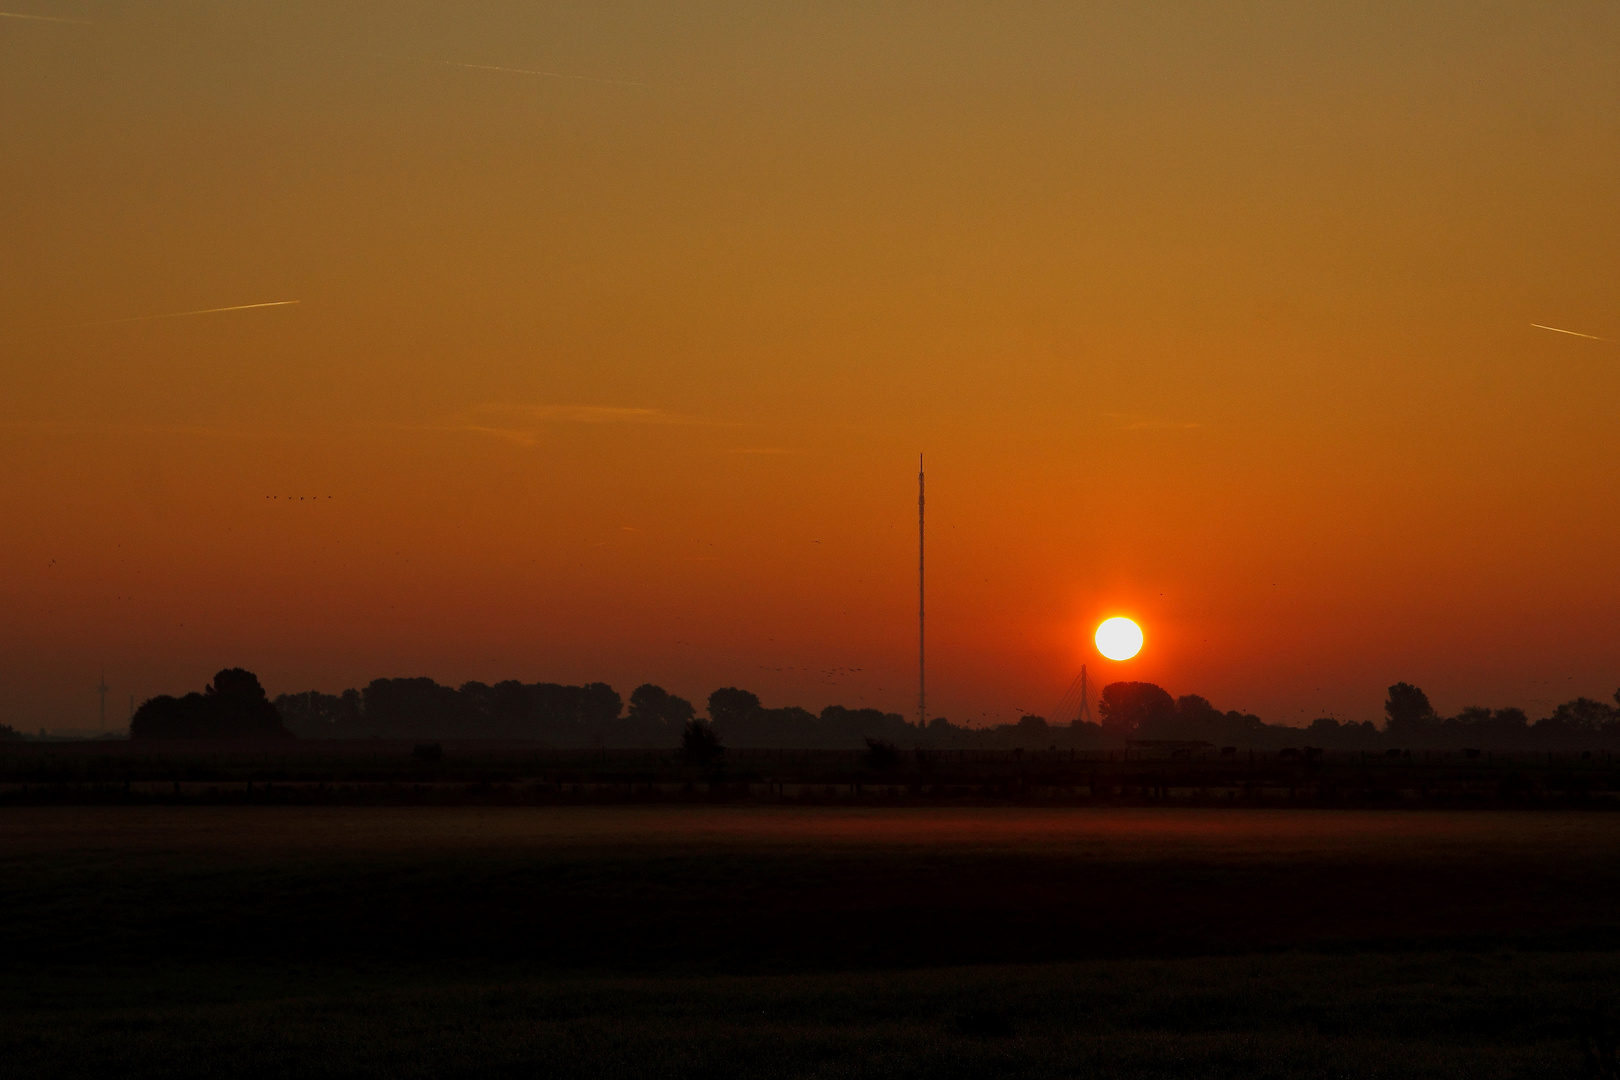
(729, 705)
(590, 716)
(1127, 706)
(233, 706)
(654, 705)
(1408, 710)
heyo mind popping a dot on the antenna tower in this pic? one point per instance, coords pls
(102, 688)
(922, 653)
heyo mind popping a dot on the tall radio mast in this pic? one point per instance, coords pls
(922, 652)
(102, 688)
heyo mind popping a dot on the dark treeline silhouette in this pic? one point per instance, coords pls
(740, 720)
(594, 715)
(1143, 712)
(1412, 721)
(588, 715)
(233, 706)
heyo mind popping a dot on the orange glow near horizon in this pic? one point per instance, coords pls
(1218, 315)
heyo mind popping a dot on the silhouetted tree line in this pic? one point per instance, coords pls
(1129, 712)
(1412, 721)
(1142, 712)
(740, 720)
(588, 715)
(233, 706)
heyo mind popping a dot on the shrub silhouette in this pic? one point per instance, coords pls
(882, 756)
(700, 745)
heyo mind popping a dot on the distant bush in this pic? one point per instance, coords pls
(882, 756)
(700, 744)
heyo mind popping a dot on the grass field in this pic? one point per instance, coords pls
(716, 941)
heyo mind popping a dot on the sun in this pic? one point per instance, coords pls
(1119, 638)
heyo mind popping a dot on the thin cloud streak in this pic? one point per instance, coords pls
(46, 427)
(591, 414)
(496, 67)
(521, 424)
(181, 314)
(532, 71)
(1571, 333)
(45, 18)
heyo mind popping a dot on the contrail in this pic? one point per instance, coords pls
(181, 314)
(496, 67)
(530, 71)
(44, 18)
(1571, 333)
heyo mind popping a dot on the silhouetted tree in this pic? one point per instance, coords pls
(168, 717)
(1194, 710)
(1408, 710)
(1034, 728)
(1126, 706)
(599, 704)
(1583, 716)
(838, 726)
(700, 744)
(413, 708)
(1510, 719)
(313, 714)
(10, 734)
(502, 711)
(653, 705)
(729, 705)
(242, 707)
(233, 706)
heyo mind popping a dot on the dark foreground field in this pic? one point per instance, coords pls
(723, 941)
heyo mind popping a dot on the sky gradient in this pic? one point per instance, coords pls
(619, 328)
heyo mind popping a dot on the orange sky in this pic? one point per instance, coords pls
(1215, 315)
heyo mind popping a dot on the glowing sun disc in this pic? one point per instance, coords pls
(1119, 638)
